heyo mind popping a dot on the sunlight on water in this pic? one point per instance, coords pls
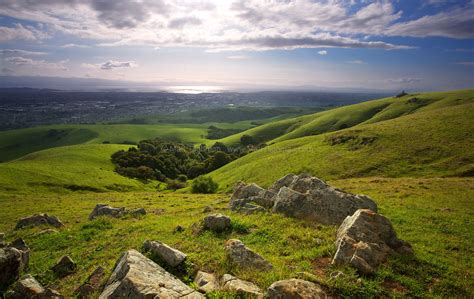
(194, 89)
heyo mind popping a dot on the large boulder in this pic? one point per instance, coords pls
(240, 287)
(172, 257)
(64, 267)
(106, 210)
(39, 219)
(217, 223)
(365, 239)
(136, 276)
(296, 289)
(311, 199)
(206, 282)
(92, 285)
(244, 257)
(29, 287)
(14, 259)
(252, 193)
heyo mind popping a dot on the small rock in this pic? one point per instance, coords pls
(64, 267)
(244, 257)
(172, 257)
(217, 222)
(178, 229)
(29, 287)
(105, 210)
(91, 285)
(207, 209)
(39, 219)
(137, 212)
(136, 276)
(241, 287)
(365, 239)
(295, 288)
(206, 282)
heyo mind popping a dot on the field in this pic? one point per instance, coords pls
(412, 155)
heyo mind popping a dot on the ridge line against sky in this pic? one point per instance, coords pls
(416, 44)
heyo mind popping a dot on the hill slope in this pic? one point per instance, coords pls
(434, 141)
(68, 168)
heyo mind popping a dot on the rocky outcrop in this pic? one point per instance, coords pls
(240, 287)
(244, 257)
(217, 223)
(136, 276)
(64, 267)
(206, 282)
(365, 239)
(28, 287)
(39, 219)
(172, 257)
(295, 289)
(92, 285)
(14, 258)
(301, 196)
(106, 210)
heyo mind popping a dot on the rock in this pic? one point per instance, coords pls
(92, 285)
(137, 212)
(207, 209)
(28, 287)
(206, 282)
(282, 182)
(172, 257)
(250, 208)
(39, 219)
(10, 266)
(136, 276)
(64, 267)
(217, 223)
(244, 257)
(244, 194)
(365, 239)
(295, 288)
(46, 232)
(242, 288)
(105, 210)
(313, 200)
(20, 244)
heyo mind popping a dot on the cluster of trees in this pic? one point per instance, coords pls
(166, 160)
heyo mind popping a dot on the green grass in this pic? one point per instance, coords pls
(423, 211)
(429, 143)
(67, 169)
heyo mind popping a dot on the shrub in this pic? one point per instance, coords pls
(205, 185)
(182, 178)
(175, 184)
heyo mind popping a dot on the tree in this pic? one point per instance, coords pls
(204, 185)
(248, 140)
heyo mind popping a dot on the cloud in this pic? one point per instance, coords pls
(238, 57)
(405, 80)
(323, 52)
(179, 23)
(66, 46)
(466, 63)
(356, 62)
(8, 52)
(40, 64)
(110, 65)
(20, 32)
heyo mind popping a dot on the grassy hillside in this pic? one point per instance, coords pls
(67, 169)
(423, 212)
(431, 142)
(349, 116)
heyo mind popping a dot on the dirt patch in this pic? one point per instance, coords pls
(321, 266)
(394, 287)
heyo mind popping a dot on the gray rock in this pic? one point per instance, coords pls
(137, 212)
(136, 276)
(295, 289)
(250, 208)
(217, 223)
(365, 239)
(39, 219)
(64, 267)
(105, 210)
(28, 287)
(282, 182)
(92, 285)
(241, 287)
(172, 257)
(206, 282)
(20, 244)
(243, 194)
(244, 257)
(10, 266)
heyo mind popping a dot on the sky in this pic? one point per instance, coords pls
(268, 44)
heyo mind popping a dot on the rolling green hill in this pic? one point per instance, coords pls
(68, 168)
(434, 139)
